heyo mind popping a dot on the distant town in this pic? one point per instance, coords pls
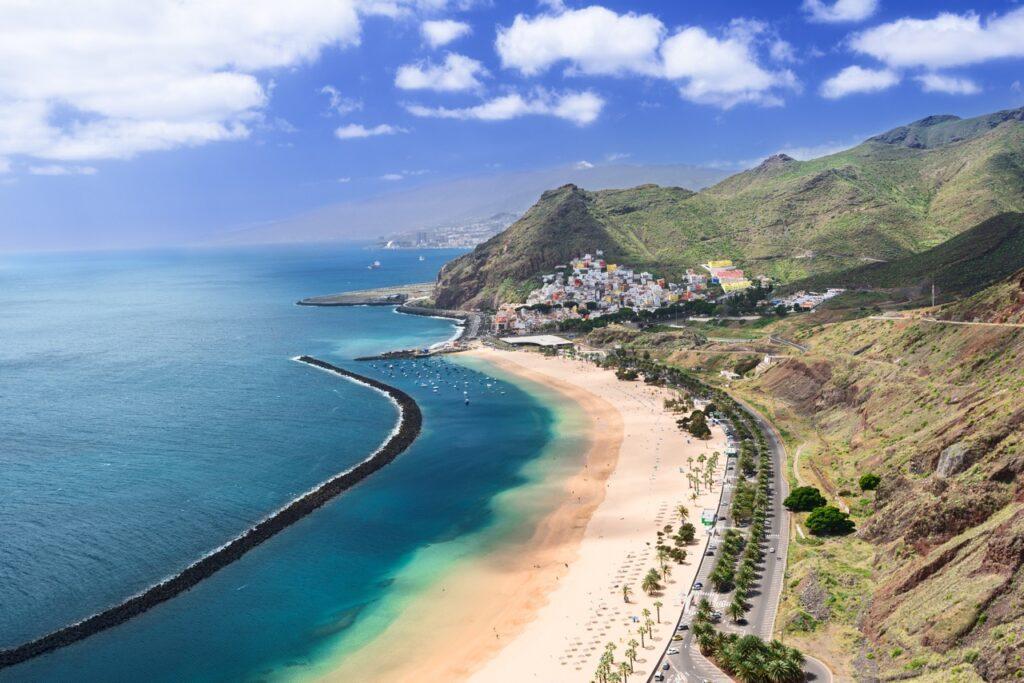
(589, 288)
(458, 236)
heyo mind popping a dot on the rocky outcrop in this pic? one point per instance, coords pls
(813, 597)
(954, 459)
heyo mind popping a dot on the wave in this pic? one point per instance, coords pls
(410, 422)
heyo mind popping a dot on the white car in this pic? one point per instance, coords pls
(674, 651)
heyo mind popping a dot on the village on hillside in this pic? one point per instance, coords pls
(589, 287)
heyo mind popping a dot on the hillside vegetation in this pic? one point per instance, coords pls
(959, 266)
(896, 194)
(931, 587)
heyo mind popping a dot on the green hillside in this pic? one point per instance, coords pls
(959, 266)
(897, 194)
(1003, 302)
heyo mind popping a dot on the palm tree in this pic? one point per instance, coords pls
(624, 671)
(631, 652)
(658, 604)
(736, 610)
(704, 610)
(683, 512)
(662, 557)
(626, 592)
(641, 631)
(650, 583)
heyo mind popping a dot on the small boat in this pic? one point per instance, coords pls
(374, 266)
(421, 258)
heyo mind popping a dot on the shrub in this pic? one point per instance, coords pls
(829, 521)
(869, 482)
(804, 498)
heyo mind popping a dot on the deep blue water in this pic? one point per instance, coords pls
(149, 411)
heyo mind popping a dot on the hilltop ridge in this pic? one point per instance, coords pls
(894, 195)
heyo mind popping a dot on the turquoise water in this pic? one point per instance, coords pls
(149, 412)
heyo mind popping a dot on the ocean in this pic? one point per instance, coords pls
(150, 411)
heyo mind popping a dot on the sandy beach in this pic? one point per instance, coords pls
(543, 610)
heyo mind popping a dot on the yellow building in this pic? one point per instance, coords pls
(723, 263)
(735, 285)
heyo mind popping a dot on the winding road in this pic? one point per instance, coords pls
(688, 665)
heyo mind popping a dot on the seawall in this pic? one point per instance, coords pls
(409, 425)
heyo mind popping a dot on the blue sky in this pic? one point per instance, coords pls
(132, 124)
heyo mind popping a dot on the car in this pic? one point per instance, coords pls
(659, 676)
(666, 666)
(682, 627)
(697, 586)
(674, 651)
(677, 637)
(772, 549)
(721, 518)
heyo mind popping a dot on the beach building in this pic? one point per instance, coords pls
(549, 341)
(708, 517)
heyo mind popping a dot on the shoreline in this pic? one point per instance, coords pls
(531, 609)
(523, 570)
(410, 422)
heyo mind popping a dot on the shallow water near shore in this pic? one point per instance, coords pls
(150, 411)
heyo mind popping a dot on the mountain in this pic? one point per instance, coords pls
(896, 194)
(959, 266)
(460, 202)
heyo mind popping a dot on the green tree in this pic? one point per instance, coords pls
(658, 604)
(869, 481)
(829, 521)
(651, 583)
(626, 592)
(804, 498)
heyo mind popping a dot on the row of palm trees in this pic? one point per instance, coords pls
(747, 658)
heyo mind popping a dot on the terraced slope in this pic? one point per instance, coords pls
(896, 194)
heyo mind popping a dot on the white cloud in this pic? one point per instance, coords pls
(947, 40)
(345, 180)
(782, 51)
(5, 165)
(456, 74)
(355, 130)
(580, 108)
(392, 177)
(341, 105)
(443, 31)
(617, 156)
(840, 11)
(593, 40)
(113, 79)
(951, 85)
(722, 71)
(57, 169)
(855, 79)
(582, 165)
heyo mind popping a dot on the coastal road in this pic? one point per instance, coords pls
(689, 665)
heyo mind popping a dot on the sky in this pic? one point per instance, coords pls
(129, 123)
